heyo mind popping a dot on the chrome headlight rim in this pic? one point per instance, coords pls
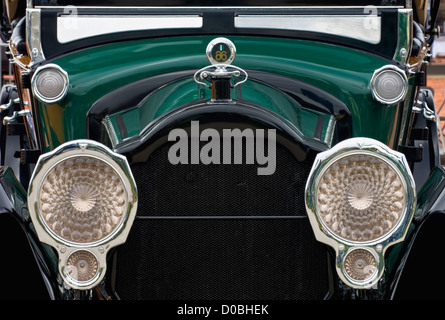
(359, 152)
(399, 97)
(65, 248)
(38, 93)
(82, 149)
(360, 146)
(376, 247)
(72, 156)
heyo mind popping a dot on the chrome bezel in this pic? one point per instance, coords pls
(343, 246)
(397, 99)
(74, 243)
(337, 158)
(47, 161)
(227, 42)
(36, 91)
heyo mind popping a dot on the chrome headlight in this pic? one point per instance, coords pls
(389, 85)
(50, 83)
(360, 198)
(82, 199)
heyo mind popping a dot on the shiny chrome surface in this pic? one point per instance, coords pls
(220, 70)
(400, 96)
(344, 246)
(221, 56)
(92, 149)
(36, 91)
(15, 116)
(33, 30)
(405, 21)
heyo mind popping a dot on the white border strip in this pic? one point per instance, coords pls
(360, 27)
(76, 27)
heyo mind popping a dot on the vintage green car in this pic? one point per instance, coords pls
(230, 150)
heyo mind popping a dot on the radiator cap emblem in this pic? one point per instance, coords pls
(221, 51)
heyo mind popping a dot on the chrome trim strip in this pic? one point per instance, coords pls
(76, 27)
(405, 36)
(358, 27)
(114, 140)
(33, 36)
(329, 136)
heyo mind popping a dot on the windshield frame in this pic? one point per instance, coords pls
(215, 22)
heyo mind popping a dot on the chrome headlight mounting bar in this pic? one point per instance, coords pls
(82, 200)
(360, 199)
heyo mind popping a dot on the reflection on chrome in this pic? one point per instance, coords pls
(360, 199)
(82, 200)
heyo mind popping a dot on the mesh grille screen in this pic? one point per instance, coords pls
(220, 189)
(222, 259)
(203, 249)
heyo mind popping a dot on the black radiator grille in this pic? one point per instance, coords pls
(220, 232)
(220, 189)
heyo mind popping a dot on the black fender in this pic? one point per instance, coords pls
(418, 272)
(28, 271)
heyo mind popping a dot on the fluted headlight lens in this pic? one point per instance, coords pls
(50, 83)
(82, 200)
(360, 197)
(360, 265)
(360, 200)
(389, 85)
(82, 266)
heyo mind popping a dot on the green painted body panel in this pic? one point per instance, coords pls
(340, 71)
(186, 90)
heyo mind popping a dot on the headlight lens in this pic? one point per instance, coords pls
(360, 265)
(50, 83)
(82, 200)
(389, 85)
(82, 266)
(360, 197)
